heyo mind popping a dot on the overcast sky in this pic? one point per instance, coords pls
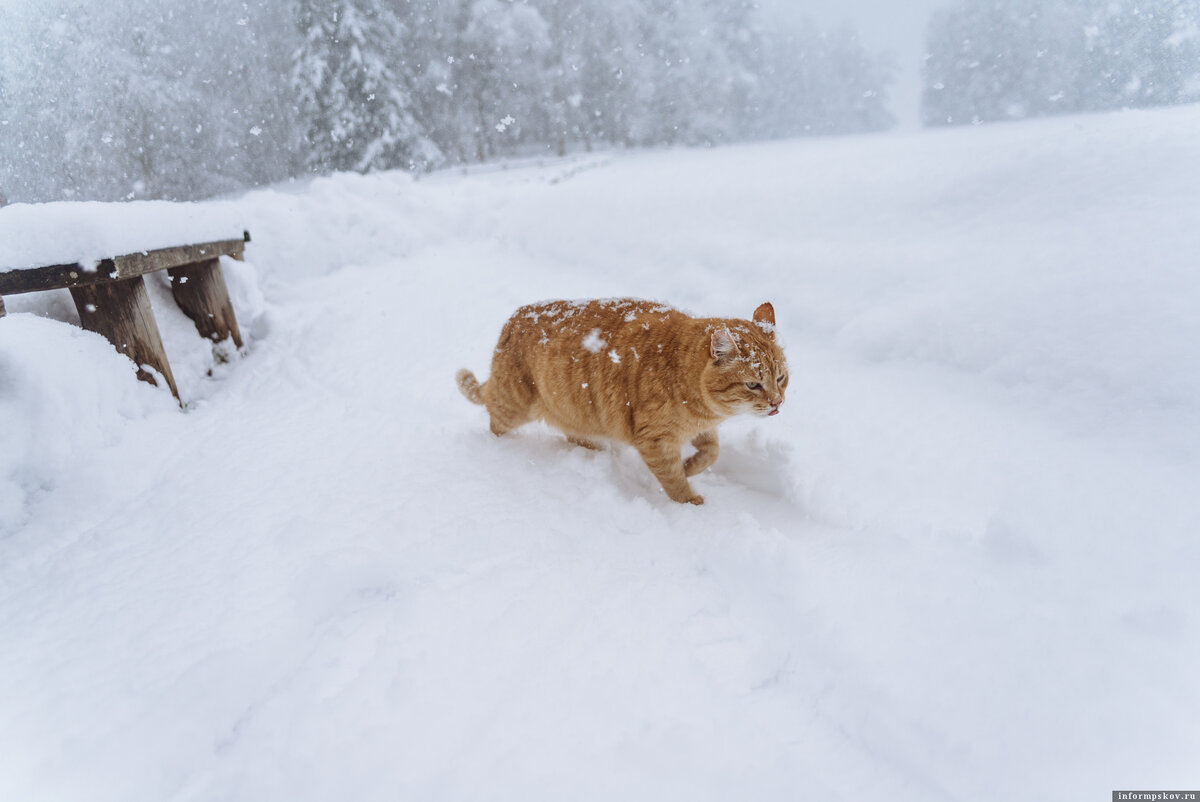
(897, 26)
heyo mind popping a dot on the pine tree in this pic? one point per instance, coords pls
(358, 108)
(505, 47)
(129, 98)
(1008, 59)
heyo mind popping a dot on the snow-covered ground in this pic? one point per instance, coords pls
(960, 565)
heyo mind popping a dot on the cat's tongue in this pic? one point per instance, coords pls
(775, 411)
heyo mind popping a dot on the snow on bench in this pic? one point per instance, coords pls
(57, 246)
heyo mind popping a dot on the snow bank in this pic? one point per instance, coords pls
(64, 394)
(35, 235)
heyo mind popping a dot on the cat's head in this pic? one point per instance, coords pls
(747, 372)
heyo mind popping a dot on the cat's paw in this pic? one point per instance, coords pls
(686, 497)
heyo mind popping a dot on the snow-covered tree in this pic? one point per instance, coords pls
(569, 26)
(595, 85)
(1009, 59)
(502, 70)
(1143, 54)
(819, 82)
(357, 106)
(141, 99)
(127, 99)
(93, 113)
(693, 78)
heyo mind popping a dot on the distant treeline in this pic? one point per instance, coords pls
(992, 60)
(151, 99)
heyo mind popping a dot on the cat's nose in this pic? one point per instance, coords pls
(775, 404)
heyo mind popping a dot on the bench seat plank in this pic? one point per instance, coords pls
(55, 277)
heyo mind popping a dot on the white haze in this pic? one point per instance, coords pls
(886, 26)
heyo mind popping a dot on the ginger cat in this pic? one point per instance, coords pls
(633, 371)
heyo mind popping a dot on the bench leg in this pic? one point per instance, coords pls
(200, 291)
(120, 311)
(2, 313)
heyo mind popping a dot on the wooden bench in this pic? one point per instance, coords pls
(112, 298)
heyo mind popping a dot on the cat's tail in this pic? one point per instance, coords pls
(469, 386)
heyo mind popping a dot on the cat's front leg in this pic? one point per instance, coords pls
(662, 457)
(707, 448)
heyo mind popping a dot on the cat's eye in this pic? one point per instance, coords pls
(753, 386)
(782, 380)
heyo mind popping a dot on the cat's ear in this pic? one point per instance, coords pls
(764, 314)
(722, 345)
